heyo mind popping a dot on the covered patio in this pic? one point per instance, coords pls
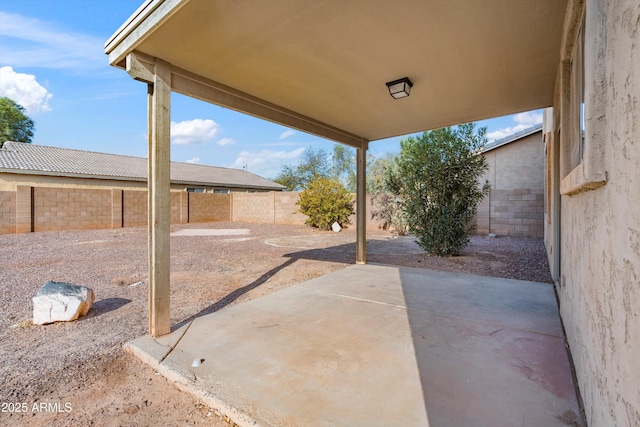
(376, 345)
(323, 68)
(370, 345)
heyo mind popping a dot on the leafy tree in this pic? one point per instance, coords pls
(15, 125)
(344, 166)
(438, 180)
(385, 205)
(314, 164)
(325, 201)
(288, 178)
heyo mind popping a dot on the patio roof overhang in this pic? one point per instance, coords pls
(321, 66)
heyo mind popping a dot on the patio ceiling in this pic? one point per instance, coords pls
(328, 60)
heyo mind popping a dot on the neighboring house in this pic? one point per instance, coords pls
(515, 204)
(38, 165)
(49, 188)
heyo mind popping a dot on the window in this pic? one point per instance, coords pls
(582, 161)
(577, 100)
(221, 191)
(195, 190)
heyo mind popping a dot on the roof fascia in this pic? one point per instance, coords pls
(509, 141)
(150, 15)
(70, 175)
(134, 179)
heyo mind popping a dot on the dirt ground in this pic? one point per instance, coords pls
(76, 373)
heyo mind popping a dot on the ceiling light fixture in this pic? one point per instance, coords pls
(400, 88)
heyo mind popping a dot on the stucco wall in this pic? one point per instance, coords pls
(599, 285)
(515, 204)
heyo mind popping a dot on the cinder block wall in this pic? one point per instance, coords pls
(70, 208)
(7, 212)
(254, 207)
(174, 206)
(286, 210)
(518, 213)
(134, 208)
(205, 207)
(55, 208)
(515, 205)
(280, 208)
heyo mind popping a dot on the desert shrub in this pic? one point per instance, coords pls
(325, 201)
(385, 205)
(438, 180)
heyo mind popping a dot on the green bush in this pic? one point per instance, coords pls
(438, 179)
(325, 201)
(385, 205)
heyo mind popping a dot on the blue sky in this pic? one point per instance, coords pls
(52, 63)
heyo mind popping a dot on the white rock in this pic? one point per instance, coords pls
(61, 302)
(336, 227)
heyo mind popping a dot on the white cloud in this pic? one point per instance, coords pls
(524, 121)
(194, 161)
(29, 42)
(287, 134)
(193, 132)
(529, 118)
(266, 163)
(226, 141)
(25, 90)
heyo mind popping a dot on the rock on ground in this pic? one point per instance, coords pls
(61, 302)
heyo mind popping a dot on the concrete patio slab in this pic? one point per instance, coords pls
(376, 345)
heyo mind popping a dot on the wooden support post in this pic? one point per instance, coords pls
(361, 204)
(159, 199)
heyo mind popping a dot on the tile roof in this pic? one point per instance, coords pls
(511, 138)
(18, 157)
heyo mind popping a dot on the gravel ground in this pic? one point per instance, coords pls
(76, 373)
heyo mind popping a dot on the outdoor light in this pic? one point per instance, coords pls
(400, 88)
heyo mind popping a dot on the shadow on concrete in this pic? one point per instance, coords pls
(231, 297)
(344, 253)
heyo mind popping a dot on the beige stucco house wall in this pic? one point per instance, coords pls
(592, 222)
(515, 203)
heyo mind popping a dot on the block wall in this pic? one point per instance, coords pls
(70, 209)
(134, 208)
(7, 212)
(174, 206)
(205, 207)
(254, 207)
(483, 216)
(372, 224)
(515, 204)
(286, 210)
(517, 213)
(56, 208)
